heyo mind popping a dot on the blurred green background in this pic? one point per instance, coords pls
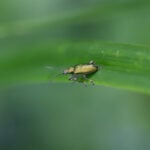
(70, 116)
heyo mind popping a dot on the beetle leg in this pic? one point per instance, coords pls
(73, 78)
(91, 81)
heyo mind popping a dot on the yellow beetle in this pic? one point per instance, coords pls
(80, 72)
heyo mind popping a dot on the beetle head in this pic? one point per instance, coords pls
(68, 71)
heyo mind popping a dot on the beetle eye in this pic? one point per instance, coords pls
(91, 62)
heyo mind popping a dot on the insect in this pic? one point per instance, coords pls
(81, 72)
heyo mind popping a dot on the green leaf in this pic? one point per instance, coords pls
(122, 65)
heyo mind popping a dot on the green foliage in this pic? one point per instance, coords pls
(60, 36)
(39, 39)
(122, 65)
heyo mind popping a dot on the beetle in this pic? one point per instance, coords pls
(81, 72)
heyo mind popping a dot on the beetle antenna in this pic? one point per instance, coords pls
(59, 74)
(49, 67)
(52, 77)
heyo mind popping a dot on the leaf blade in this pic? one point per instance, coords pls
(123, 65)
